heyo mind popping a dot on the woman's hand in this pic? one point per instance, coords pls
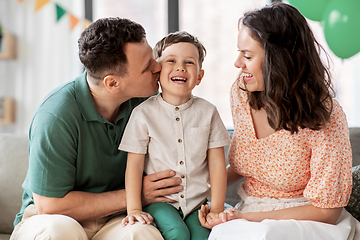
(137, 215)
(158, 185)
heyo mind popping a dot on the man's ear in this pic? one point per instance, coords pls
(200, 76)
(112, 83)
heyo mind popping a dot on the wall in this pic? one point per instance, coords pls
(46, 54)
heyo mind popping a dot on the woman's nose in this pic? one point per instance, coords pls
(238, 63)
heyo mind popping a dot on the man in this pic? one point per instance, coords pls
(75, 184)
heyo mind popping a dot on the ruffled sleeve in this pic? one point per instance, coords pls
(330, 165)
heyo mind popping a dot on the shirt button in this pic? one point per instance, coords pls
(177, 119)
(179, 141)
(182, 176)
(177, 108)
(111, 127)
(181, 163)
(182, 196)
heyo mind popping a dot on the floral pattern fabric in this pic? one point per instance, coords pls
(315, 164)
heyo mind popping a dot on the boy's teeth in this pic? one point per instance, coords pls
(179, 79)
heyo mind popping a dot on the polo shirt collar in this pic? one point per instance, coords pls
(171, 107)
(85, 100)
(86, 103)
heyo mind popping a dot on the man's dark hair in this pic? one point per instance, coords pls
(101, 45)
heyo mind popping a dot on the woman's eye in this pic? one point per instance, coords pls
(247, 57)
(171, 61)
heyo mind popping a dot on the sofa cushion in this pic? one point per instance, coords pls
(355, 145)
(13, 168)
(354, 202)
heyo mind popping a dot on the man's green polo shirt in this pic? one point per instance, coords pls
(73, 147)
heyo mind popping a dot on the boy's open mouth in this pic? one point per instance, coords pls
(178, 79)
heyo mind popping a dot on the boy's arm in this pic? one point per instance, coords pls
(133, 186)
(218, 178)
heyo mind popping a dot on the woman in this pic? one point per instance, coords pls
(291, 140)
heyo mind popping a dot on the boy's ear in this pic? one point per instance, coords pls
(200, 76)
(112, 83)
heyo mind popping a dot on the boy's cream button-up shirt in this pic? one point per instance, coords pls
(177, 138)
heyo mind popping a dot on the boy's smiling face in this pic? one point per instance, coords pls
(180, 72)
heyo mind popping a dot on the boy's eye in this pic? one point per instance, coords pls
(171, 60)
(189, 62)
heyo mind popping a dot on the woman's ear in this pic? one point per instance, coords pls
(112, 83)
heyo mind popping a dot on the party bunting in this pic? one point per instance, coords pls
(73, 21)
(40, 3)
(59, 12)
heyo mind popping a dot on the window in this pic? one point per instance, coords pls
(214, 22)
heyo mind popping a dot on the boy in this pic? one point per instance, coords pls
(175, 130)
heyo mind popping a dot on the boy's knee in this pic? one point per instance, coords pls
(179, 232)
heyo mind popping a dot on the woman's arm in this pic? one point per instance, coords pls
(307, 212)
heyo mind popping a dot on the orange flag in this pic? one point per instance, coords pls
(40, 4)
(73, 21)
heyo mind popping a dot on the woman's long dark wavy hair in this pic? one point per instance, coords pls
(298, 91)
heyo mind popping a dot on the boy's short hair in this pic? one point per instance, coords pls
(178, 37)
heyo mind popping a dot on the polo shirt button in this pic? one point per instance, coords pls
(111, 127)
(177, 119)
(182, 176)
(179, 141)
(177, 108)
(181, 163)
(182, 196)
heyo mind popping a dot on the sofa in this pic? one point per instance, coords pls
(14, 164)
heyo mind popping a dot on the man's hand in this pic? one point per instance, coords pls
(158, 185)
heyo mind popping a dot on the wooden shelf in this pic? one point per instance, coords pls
(7, 110)
(8, 46)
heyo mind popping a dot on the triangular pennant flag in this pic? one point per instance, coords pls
(86, 23)
(40, 4)
(73, 21)
(59, 12)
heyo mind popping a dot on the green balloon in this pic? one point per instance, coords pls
(311, 9)
(342, 27)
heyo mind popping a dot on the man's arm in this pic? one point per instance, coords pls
(84, 206)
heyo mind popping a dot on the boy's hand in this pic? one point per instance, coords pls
(137, 215)
(209, 219)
